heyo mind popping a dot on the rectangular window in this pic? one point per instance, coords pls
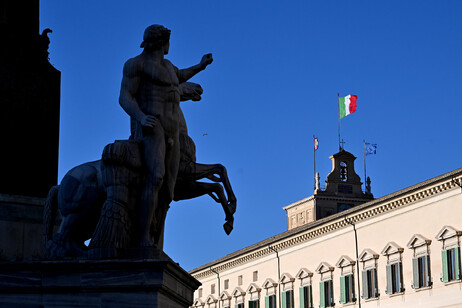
(240, 305)
(270, 301)
(200, 292)
(212, 289)
(394, 278)
(254, 304)
(326, 289)
(421, 272)
(255, 276)
(239, 280)
(347, 289)
(287, 299)
(451, 264)
(370, 289)
(306, 297)
(226, 284)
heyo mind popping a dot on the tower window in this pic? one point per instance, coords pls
(343, 171)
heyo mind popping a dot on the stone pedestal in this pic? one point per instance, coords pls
(96, 283)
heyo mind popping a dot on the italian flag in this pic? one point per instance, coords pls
(347, 105)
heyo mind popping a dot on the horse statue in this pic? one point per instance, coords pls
(84, 192)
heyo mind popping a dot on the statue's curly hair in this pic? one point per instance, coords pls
(155, 36)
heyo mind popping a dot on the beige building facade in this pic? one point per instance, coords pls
(401, 250)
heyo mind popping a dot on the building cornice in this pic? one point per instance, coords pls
(334, 222)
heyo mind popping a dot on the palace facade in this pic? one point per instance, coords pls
(345, 249)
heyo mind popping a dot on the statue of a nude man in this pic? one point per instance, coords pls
(149, 94)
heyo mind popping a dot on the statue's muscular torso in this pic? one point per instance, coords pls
(158, 92)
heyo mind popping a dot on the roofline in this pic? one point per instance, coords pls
(320, 222)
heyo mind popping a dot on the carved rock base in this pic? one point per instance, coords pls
(96, 283)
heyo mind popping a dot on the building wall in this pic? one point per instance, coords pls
(423, 210)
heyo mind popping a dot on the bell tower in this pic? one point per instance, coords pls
(343, 191)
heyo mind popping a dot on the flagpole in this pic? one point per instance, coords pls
(365, 178)
(338, 106)
(314, 161)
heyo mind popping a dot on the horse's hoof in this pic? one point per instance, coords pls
(228, 226)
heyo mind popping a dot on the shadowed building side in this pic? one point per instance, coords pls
(29, 102)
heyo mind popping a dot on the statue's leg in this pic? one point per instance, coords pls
(172, 163)
(154, 157)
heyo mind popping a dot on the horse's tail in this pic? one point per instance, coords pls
(49, 213)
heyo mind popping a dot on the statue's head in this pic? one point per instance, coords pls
(155, 36)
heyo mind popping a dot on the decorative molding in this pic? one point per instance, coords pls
(324, 267)
(391, 248)
(368, 254)
(447, 232)
(269, 283)
(225, 296)
(345, 261)
(303, 273)
(238, 292)
(253, 288)
(286, 278)
(198, 303)
(418, 240)
(211, 300)
(335, 222)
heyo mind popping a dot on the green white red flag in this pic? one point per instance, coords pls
(347, 105)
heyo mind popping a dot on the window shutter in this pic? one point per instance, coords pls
(267, 302)
(284, 299)
(342, 290)
(331, 293)
(365, 286)
(428, 271)
(375, 282)
(389, 289)
(444, 257)
(309, 294)
(399, 277)
(352, 287)
(322, 299)
(415, 273)
(302, 297)
(457, 262)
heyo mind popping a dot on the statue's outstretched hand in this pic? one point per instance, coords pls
(206, 60)
(149, 120)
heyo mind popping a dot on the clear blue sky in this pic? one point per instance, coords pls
(277, 69)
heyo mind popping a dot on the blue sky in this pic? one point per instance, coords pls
(277, 69)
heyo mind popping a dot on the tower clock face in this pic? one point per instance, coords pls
(343, 207)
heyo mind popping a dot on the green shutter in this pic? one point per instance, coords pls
(322, 298)
(267, 302)
(457, 262)
(416, 273)
(342, 290)
(389, 289)
(364, 284)
(302, 297)
(284, 299)
(444, 257)
(252, 304)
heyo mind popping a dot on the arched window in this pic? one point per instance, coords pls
(343, 171)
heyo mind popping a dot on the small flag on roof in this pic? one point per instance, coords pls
(316, 143)
(370, 148)
(347, 105)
